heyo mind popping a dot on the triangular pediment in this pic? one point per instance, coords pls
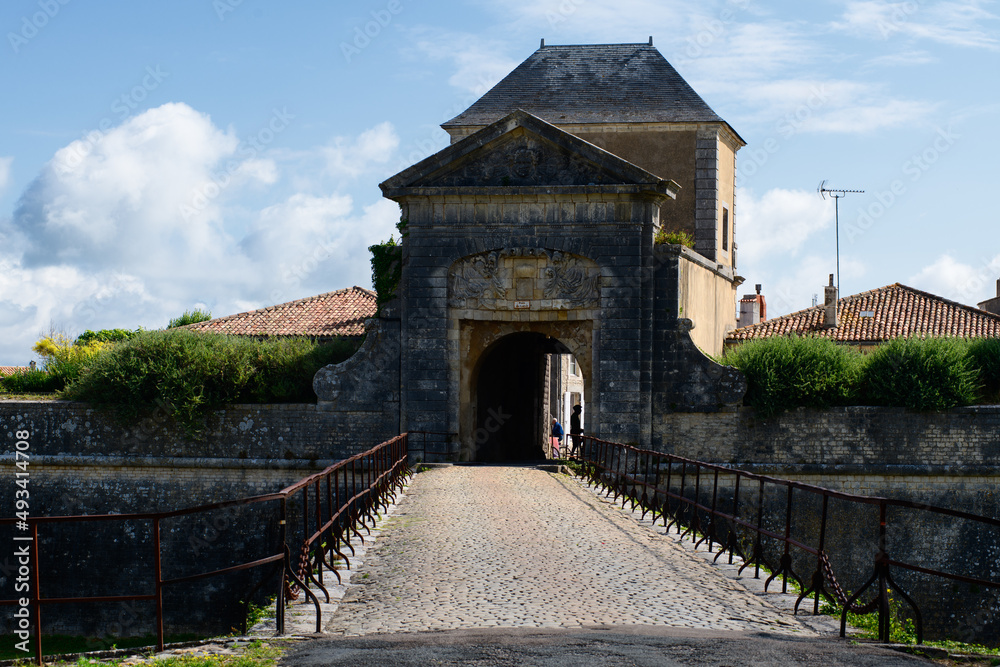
(521, 151)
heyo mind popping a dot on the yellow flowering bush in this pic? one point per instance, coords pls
(63, 359)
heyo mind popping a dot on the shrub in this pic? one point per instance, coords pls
(920, 374)
(190, 317)
(196, 372)
(789, 372)
(31, 382)
(985, 356)
(63, 360)
(105, 336)
(678, 238)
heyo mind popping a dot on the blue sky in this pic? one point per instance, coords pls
(157, 157)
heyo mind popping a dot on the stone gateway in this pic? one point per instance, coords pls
(532, 235)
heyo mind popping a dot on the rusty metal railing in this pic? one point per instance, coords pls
(317, 517)
(647, 480)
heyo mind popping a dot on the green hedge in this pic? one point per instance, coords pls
(921, 374)
(788, 372)
(196, 372)
(31, 382)
(985, 354)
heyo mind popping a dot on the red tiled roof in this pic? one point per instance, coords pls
(340, 313)
(896, 310)
(10, 370)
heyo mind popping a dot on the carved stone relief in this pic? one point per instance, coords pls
(524, 160)
(524, 278)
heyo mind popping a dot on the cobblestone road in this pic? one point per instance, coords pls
(480, 547)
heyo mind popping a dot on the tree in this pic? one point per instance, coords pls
(190, 317)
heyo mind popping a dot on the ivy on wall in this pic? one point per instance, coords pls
(387, 266)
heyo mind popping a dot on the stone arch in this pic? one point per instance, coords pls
(506, 362)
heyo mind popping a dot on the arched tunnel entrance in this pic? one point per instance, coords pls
(514, 405)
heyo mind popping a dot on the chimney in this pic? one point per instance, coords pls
(753, 310)
(830, 305)
(992, 305)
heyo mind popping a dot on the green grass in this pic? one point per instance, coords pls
(15, 396)
(902, 630)
(252, 654)
(61, 644)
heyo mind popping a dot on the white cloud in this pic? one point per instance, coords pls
(346, 156)
(958, 281)
(5, 163)
(964, 24)
(908, 58)
(133, 226)
(787, 244)
(779, 223)
(298, 236)
(479, 63)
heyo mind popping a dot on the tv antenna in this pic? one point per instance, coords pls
(837, 196)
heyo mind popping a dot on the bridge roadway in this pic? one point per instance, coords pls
(479, 547)
(512, 550)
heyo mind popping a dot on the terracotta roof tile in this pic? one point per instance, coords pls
(10, 370)
(896, 310)
(340, 313)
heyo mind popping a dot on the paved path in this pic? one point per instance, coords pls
(482, 547)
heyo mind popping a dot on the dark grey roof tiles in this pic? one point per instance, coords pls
(600, 83)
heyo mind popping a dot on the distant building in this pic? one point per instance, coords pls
(992, 305)
(323, 318)
(870, 318)
(753, 309)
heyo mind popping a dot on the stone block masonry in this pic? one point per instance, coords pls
(946, 459)
(85, 461)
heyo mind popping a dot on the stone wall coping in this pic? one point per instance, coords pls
(695, 257)
(886, 469)
(71, 460)
(101, 407)
(965, 409)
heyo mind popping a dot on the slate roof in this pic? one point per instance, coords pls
(895, 310)
(340, 313)
(595, 83)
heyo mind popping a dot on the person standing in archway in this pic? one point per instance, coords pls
(557, 437)
(576, 431)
